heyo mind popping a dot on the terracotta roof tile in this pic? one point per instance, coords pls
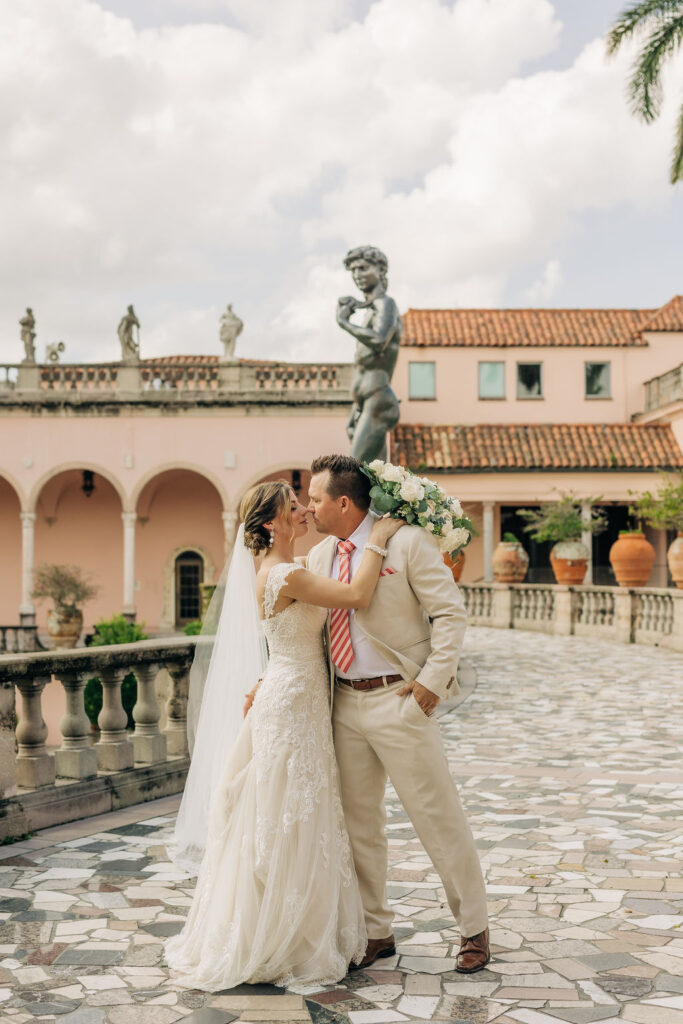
(559, 446)
(668, 318)
(530, 328)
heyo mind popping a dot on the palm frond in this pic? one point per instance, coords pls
(632, 19)
(645, 87)
(677, 162)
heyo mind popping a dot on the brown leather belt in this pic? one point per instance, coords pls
(370, 684)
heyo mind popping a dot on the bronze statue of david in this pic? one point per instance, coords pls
(375, 323)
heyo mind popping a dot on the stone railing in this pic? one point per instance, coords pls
(666, 388)
(203, 380)
(646, 615)
(19, 639)
(90, 772)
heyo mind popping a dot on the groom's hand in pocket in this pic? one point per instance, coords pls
(424, 697)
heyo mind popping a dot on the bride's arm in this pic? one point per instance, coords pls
(326, 593)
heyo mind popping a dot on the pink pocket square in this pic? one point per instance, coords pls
(388, 571)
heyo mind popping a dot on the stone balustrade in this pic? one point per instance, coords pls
(663, 390)
(19, 639)
(158, 381)
(90, 772)
(645, 615)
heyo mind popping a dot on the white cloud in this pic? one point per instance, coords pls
(184, 167)
(542, 290)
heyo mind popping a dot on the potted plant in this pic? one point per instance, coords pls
(632, 556)
(664, 511)
(68, 587)
(510, 560)
(563, 523)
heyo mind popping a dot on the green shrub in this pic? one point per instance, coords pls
(562, 519)
(116, 630)
(193, 628)
(509, 538)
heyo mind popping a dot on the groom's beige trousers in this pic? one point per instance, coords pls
(379, 734)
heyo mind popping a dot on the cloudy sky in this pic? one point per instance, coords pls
(182, 154)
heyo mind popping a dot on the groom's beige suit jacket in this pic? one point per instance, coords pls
(417, 616)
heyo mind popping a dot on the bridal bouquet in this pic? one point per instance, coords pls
(420, 501)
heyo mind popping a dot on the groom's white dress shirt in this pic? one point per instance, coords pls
(367, 661)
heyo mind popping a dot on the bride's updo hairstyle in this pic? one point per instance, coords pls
(259, 505)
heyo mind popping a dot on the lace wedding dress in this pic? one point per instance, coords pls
(277, 898)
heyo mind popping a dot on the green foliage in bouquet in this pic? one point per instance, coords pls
(116, 630)
(562, 520)
(421, 502)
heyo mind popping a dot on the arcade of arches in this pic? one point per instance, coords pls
(147, 562)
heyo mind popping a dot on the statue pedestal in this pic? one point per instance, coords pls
(229, 376)
(128, 377)
(28, 378)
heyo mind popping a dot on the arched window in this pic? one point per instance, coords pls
(189, 573)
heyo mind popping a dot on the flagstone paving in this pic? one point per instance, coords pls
(568, 758)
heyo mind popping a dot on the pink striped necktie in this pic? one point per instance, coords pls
(340, 627)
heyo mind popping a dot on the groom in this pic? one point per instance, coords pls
(390, 665)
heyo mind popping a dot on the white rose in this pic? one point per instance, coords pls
(391, 474)
(376, 466)
(430, 527)
(456, 538)
(456, 507)
(412, 490)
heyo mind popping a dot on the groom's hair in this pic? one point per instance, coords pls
(346, 478)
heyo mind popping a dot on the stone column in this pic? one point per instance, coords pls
(114, 750)
(587, 539)
(35, 767)
(489, 507)
(129, 520)
(27, 611)
(148, 743)
(230, 520)
(75, 759)
(176, 706)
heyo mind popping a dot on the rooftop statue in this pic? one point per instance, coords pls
(375, 323)
(53, 351)
(231, 328)
(28, 335)
(130, 347)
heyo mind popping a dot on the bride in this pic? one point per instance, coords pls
(277, 898)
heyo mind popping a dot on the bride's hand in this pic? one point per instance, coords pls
(249, 699)
(384, 529)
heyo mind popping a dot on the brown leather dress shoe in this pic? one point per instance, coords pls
(376, 949)
(474, 953)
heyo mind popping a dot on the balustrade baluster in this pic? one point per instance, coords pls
(176, 706)
(35, 767)
(114, 749)
(76, 758)
(148, 742)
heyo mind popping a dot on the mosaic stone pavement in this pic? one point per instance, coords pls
(567, 760)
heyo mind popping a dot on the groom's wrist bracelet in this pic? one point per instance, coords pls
(380, 551)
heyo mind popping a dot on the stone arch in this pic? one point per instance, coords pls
(272, 472)
(179, 508)
(189, 467)
(12, 504)
(17, 488)
(65, 467)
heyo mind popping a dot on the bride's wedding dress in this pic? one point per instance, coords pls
(277, 898)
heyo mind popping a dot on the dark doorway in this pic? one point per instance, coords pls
(189, 573)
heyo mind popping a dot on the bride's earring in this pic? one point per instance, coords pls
(272, 537)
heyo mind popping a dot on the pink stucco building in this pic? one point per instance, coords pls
(506, 407)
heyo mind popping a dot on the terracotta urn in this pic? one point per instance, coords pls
(64, 627)
(455, 565)
(675, 559)
(569, 559)
(632, 557)
(510, 562)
